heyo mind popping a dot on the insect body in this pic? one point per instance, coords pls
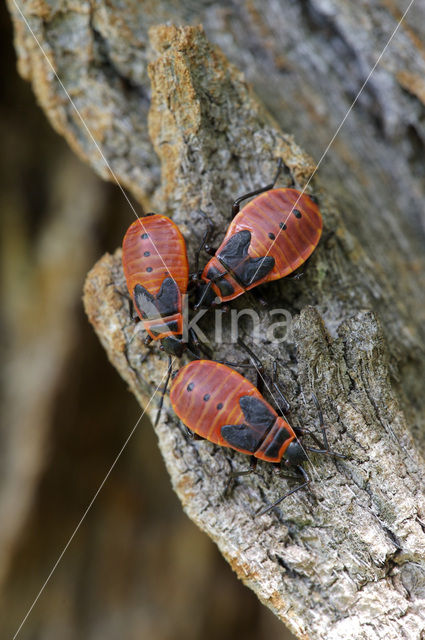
(219, 404)
(268, 239)
(157, 272)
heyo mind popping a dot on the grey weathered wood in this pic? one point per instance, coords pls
(307, 60)
(347, 559)
(308, 546)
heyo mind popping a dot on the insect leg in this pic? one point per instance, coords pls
(207, 289)
(242, 365)
(236, 474)
(258, 297)
(257, 364)
(325, 451)
(191, 435)
(283, 406)
(203, 246)
(237, 202)
(306, 482)
(255, 360)
(125, 295)
(198, 345)
(131, 310)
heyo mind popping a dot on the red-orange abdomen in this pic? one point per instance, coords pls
(219, 404)
(157, 272)
(268, 239)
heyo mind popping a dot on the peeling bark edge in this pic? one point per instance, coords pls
(310, 545)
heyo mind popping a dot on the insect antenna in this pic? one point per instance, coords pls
(237, 202)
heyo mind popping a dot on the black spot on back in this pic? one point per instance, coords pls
(282, 225)
(297, 213)
(149, 269)
(220, 406)
(144, 236)
(272, 236)
(147, 253)
(206, 397)
(190, 386)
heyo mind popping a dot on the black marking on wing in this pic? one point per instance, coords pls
(256, 412)
(212, 273)
(165, 304)
(254, 269)
(236, 249)
(234, 256)
(167, 300)
(226, 289)
(241, 436)
(145, 302)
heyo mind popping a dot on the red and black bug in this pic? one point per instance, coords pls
(268, 239)
(219, 404)
(156, 269)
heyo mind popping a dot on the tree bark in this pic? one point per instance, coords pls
(356, 314)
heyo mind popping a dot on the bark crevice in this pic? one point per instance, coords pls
(348, 544)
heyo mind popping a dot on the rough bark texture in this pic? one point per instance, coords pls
(307, 553)
(345, 560)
